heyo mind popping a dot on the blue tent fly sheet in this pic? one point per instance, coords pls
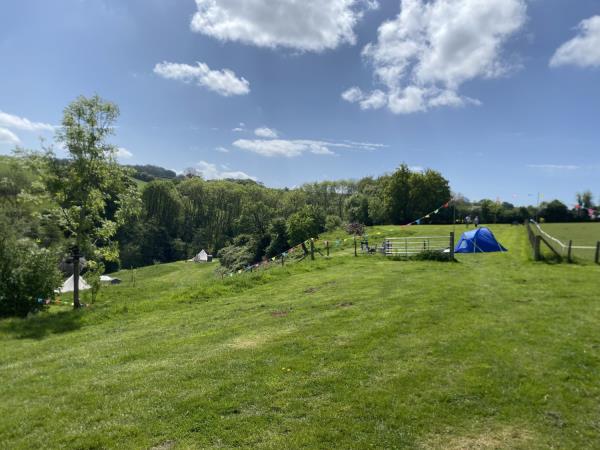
(480, 240)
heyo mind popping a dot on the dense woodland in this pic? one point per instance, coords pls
(121, 217)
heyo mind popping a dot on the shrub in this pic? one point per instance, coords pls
(332, 222)
(355, 228)
(432, 255)
(28, 274)
(235, 257)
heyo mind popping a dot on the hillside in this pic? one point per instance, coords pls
(492, 351)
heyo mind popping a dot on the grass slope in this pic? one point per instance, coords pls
(494, 350)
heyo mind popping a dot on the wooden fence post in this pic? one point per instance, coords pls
(282, 259)
(452, 246)
(312, 249)
(570, 252)
(355, 254)
(597, 259)
(327, 247)
(537, 248)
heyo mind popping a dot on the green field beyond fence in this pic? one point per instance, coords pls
(583, 239)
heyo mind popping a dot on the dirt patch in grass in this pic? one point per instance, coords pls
(345, 305)
(245, 342)
(279, 313)
(313, 289)
(508, 437)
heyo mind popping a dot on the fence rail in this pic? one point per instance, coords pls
(408, 246)
(559, 248)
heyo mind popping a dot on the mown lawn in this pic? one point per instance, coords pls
(495, 351)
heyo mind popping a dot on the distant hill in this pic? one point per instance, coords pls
(149, 172)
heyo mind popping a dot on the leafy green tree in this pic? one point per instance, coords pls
(93, 194)
(279, 238)
(428, 190)
(28, 274)
(397, 196)
(555, 211)
(305, 224)
(332, 222)
(357, 208)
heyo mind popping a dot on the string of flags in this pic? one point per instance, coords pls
(427, 216)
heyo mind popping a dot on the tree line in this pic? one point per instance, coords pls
(56, 213)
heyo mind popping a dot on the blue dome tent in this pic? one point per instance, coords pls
(479, 240)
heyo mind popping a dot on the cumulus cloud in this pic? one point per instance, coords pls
(308, 25)
(222, 149)
(224, 82)
(123, 153)
(21, 123)
(266, 132)
(8, 137)
(210, 171)
(297, 147)
(431, 48)
(584, 49)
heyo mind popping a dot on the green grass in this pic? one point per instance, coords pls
(495, 350)
(585, 234)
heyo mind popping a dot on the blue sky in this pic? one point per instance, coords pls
(501, 96)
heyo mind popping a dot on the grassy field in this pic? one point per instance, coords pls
(494, 351)
(585, 234)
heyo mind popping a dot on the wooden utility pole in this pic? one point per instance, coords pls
(569, 252)
(355, 254)
(76, 256)
(452, 246)
(327, 247)
(312, 249)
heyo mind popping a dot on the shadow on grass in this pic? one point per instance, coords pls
(42, 325)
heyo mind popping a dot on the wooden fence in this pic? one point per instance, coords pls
(537, 236)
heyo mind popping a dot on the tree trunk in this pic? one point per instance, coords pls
(304, 249)
(76, 303)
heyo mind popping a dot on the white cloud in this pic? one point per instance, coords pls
(297, 147)
(282, 147)
(554, 167)
(584, 49)
(21, 123)
(240, 128)
(222, 149)
(431, 48)
(123, 153)
(210, 171)
(8, 137)
(352, 95)
(307, 25)
(224, 82)
(266, 132)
